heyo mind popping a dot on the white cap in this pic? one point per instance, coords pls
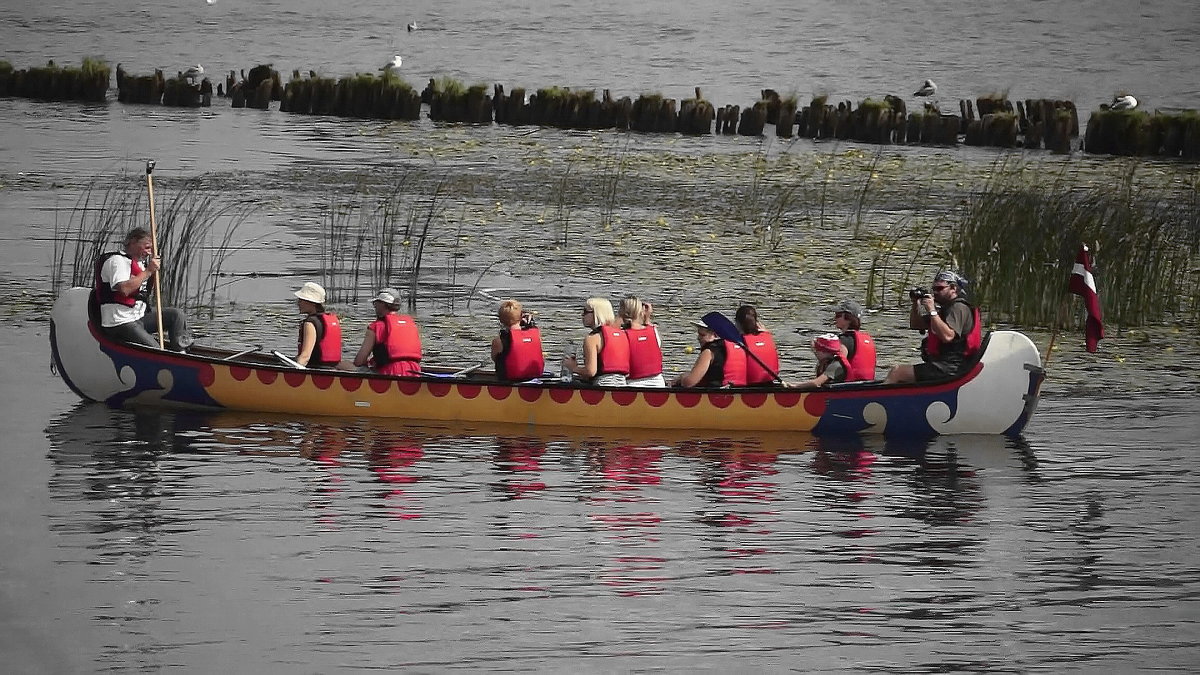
(311, 292)
(388, 296)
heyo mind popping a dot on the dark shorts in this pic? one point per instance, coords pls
(929, 372)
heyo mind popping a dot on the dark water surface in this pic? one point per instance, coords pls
(240, 542)
(258, 544)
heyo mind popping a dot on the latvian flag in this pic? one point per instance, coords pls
(1084, 285)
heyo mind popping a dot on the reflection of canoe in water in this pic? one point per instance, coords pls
(998, 394)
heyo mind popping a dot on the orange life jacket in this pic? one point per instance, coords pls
(328, 349)
(762, 345)
(645, 354)
(614, 351)
(520, 355)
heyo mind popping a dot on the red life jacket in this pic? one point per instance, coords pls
(614, 351)
(862, 365)
(328, 349)
(762, 345)
(396, 339)
(520, 355)
(645, 354)
(729, 364)
(934, 348)
(104, 290)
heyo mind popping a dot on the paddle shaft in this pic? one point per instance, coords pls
(154, 252)
(728, 331)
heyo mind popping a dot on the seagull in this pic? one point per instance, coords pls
(396, 62)
(927, 89)
(193, 72)
(412, 26)
(211, 2)
(1125, 102)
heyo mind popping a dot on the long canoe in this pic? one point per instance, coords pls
(996, 395)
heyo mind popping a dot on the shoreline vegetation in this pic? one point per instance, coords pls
(844, 223)
(990, 120)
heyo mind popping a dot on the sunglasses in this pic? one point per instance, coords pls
(938, 288)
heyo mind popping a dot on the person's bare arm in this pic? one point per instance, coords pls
(694, 376)
(308, 342)
(363, 356)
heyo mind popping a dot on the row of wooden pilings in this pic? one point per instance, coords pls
(987, 121)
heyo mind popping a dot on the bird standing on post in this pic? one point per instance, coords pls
(927, 89)
(1123, 102)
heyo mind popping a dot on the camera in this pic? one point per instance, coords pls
(918, 292)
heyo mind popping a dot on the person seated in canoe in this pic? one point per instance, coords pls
(721, 363)
(120, 295)
(605, 349)
(320, 341)
(517, 350)
(860, 346)
(392, 344)
(645, 344)
(952, 329)
(832, 364)
(760, 343)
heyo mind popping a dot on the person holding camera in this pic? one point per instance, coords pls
(953, 331)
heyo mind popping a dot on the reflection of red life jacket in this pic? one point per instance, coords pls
(520, 355)
(862, 365)
(762, 345)
(729, 359)
(614, 351)
(104, 291)
(934, 347)
(328, 349)
(645, 354)
(397, 348)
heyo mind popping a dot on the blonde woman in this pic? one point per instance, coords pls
(645, 345)
(605, 349)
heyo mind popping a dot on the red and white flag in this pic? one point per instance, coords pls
(1084, 285)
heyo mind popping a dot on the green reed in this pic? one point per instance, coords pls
(1019, 235)
(195, 235)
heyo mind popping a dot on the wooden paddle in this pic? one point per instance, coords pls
(725, 328)
(154, 253)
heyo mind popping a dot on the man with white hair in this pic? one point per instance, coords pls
(952, 331)
(120, 292)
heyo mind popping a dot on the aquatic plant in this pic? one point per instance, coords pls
(196, 234)
(1018, 238)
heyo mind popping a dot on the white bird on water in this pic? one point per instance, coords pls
(1125, 102)
(211, 2)
(395, 63)
(927, 89)
(412, 26)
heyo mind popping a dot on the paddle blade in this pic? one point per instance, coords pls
(724, 327)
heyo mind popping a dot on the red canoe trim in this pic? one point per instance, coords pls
(624, 398)
(379, 386)
(561, 395)
(266, 376)
(351, 383)
(469, 391)
(787, 399)
(530, 394)
(439, 389)
(497, 392)
(239, 373)
(815, 404)
(293, 379)
(591, 396)
(409, 387)
(206, 375)
(721, 400)
(322, 382)
(656, 399)
(755, 399)
(688, 399)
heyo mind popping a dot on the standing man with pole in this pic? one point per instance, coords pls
(120, 287)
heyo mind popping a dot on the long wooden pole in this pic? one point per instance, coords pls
(154, 252)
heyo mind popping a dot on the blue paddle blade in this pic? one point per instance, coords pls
(722, 326)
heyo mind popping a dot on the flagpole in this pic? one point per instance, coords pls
(1058, 320)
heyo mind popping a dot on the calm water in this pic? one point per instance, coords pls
(240, 544)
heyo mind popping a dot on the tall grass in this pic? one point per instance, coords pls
(196, 236)
(370, 242)
(1018, 238)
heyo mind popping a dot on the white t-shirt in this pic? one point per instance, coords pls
(116, 269)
